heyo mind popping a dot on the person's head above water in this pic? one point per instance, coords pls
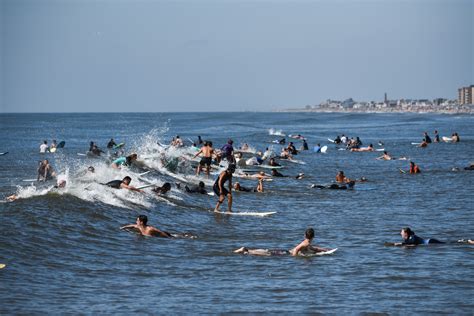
(91, 169)
(309, 233)
(237, 186)
(142, 220)
(166, 186)
(127, 180)
(201, 184)
(230, 142)
(406, 232)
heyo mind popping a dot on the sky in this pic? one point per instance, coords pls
(229, 55)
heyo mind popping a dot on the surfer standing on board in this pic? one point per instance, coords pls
(206, 160)
(222, 192)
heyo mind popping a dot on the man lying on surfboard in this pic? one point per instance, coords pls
(305, 247)
(146, 230)
(410, 239)
(122, 184)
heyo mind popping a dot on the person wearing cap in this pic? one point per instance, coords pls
(224, 176)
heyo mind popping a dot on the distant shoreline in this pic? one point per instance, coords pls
(467, 110)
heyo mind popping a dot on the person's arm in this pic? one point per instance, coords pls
(318, 249)
(129, 226)
(197, 154)
(298, 248)
(129, 187)
(158, 233)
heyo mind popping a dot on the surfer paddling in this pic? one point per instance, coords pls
(122, 184)
(224, 176)
(304, 248)
(146, 230)
(410, 239)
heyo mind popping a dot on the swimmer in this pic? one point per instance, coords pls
(122, 184)
(165, 188)
(317, 148)
(335, 186)
(207, 151)
(305, 145)
(305, 247)
(224, 176)
(273, 163)
(455, 138)
(410, 239)
(111, 144)
(124, 161)
(427, 138)
(436, 136)
(146, 230)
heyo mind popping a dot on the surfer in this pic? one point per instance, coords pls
(385, 156)
(305, 145)
(146, 230)
(305, 247)
(224, 176)
(45, 171)
(206, 160)
(127, 161)
(165, 188)
(238, 187)
(337, 140)
(228, 151)
(273, 163)
(111, 144)
(410, 239)
(275, 173)
(122, 184)
(317, 148)
(414, 168)
(341, 178)
(427, 138)
(436, 136)
(200, 188)
(423, 144)
(455, 138)
(44, 147)
(291, 149)
(363, 149)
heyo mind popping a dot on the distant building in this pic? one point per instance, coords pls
(465, 95)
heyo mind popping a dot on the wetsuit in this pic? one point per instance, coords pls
(415, 240)
(111, 144)
(305, 145)
(227, 150)
(196, 189)
(114, 184)
(216, 184)
(436, 138)
(120, 161)
(427, 139)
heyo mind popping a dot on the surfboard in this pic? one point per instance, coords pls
(321, 253)
(402, 171)
(296, 161)
(52, 150)
(147, 186)
(81, 154)
(331, 140)
(447, 139)
(259, 214)
(324, 149)
(380, 149)
(268, 167)
(144, 173)
(117, 146)
(2, 265)
(1, 154)
(30, 180)
(415, 143)
(61, 144)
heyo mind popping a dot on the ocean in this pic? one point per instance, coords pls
(64, 251)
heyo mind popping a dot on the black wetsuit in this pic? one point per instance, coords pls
(114, 184)
(196, 189)
(216, 184)
(427, 139)
(415, 240)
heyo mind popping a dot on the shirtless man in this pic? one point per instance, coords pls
(225, 176)
(385, 156)
(146, 230)
(341, 178)
(45, 171)
(206, 160)
(304, 247)
(362, 149)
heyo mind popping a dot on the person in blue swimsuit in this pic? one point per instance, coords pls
(127, 161)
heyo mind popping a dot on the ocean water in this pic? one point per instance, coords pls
(65, 253)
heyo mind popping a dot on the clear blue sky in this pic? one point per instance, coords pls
(229, 55)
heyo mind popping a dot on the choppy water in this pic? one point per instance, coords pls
(65, 253)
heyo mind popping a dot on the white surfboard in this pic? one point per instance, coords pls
(331, 140)
(30, 180)
(259, 214)
(147, 186)
(268, 167)
(321, 253)
(415, 143)
(380, 149)
(81, 154)
(1, 154)
(296, 161)
(447, 139)
(324, 149)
